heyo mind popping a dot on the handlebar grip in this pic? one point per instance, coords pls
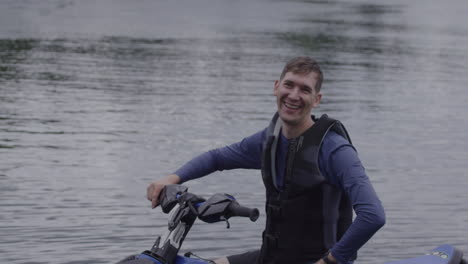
(238, 210)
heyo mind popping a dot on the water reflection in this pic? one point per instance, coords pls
(13, 52)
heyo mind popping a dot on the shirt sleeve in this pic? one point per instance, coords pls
(245, 154)
(341, 165)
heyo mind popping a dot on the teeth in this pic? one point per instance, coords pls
(291, 106)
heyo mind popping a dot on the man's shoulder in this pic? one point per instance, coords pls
(334, 140)
(256, 138)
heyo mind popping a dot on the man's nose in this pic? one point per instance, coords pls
(294, 94)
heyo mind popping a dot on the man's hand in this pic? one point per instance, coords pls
(154, 189)
(330, 257)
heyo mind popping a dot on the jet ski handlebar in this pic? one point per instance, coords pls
(218, 207)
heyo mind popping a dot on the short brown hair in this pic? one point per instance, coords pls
(304, 65)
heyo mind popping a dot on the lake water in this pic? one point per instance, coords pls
(99, 98)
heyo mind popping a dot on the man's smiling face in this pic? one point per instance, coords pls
(295, 97)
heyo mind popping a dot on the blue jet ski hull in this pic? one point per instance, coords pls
(444, 254)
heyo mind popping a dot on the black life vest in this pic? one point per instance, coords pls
(307, 217)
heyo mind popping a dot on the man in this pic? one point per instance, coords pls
(312, 174)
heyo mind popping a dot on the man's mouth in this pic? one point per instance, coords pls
(292, 106)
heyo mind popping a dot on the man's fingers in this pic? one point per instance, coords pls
(154, 203)
(149, 192)
(153, 192)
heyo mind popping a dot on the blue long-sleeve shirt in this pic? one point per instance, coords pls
(338, 162)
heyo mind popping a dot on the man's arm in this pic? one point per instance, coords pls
(245, 154)
(344, 169)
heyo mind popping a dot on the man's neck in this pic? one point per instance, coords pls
(290, 131)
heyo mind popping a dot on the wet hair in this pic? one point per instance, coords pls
(304, 65)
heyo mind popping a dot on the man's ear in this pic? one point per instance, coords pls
(318, 98)
(275, 90)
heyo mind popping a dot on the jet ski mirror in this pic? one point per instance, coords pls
(221, 207)
(169, 196)
(214, 209)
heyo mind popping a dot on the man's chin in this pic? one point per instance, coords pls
(288, 120)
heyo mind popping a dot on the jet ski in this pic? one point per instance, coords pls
(184, 208)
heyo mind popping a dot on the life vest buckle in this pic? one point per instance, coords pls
(274, 211)
(271, 241)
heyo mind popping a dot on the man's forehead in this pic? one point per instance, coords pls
(306, 77)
